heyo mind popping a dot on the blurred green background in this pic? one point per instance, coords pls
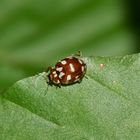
(36, 33)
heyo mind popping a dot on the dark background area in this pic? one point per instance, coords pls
(133, 13)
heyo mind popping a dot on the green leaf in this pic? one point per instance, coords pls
(104, 106)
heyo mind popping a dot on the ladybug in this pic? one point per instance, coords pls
(67, 71)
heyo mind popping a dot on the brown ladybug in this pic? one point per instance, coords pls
(67, 71)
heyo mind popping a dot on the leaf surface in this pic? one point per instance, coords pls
(105, 105)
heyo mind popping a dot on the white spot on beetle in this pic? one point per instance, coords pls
(82, 68)
(59, 69)
(63, 62)
(61, 74)
(57, 81)
(68, 77)
(76, 77)
(72, 68)
(54, 72)
(55, 75)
